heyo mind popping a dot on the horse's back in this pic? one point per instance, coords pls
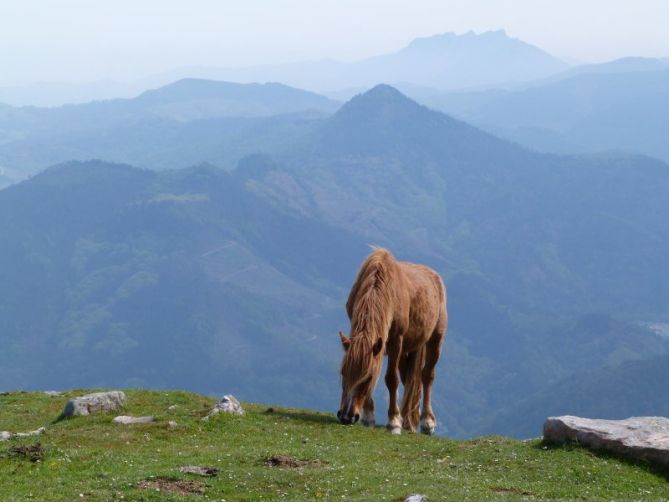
(428, 301)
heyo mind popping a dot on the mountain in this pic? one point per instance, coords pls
(47, 94)
(601, 109)
(446, 61)
(633, 388)
(221, 281)
(177, 125)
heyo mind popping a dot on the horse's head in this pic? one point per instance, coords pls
(360, 370)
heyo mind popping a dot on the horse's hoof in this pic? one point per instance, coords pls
(427, 426)
(396, 431)
(368, 423)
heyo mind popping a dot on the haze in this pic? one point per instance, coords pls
(79, 41)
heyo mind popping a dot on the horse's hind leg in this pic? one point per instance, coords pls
(368, 419)
(428, 422)
(394, 350)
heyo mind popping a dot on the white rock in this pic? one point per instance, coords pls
(228, 404)
(6, 436)
(31, 433)
(172, 424)
(125, 420)
(53, 393)
(94, 403)
(416, 498)
(641, 438)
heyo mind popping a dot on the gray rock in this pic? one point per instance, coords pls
(199, 471)
(126, 420)
(416, 498)
(53, 393)
(5, 435)
(228, 404)
(640, 438)
(94, 403)
(172, 424)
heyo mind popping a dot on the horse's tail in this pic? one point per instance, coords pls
(413, 388)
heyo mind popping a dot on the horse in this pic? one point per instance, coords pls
(398, 309)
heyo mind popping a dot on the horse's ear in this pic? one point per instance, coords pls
(378, 345)
(345, 341)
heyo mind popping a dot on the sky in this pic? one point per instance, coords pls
(87, 40)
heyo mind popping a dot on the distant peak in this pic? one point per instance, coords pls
(449, 37)
(383, 91)
(379, 95)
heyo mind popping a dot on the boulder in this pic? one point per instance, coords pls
(416, 497)
(639, 438)
(228, 404)
(94, 403)
(126, 420)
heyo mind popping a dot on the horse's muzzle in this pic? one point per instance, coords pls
(346, 419)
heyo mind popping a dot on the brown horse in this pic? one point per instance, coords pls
(399, 309)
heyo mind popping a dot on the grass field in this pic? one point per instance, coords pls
(90, 458)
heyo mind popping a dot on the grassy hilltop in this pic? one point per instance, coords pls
(277, 453)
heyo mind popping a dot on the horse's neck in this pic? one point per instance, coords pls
(374, 311)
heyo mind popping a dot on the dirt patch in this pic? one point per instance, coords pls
(178, 486)
(514, 491)
(34, 452)
(286, 461)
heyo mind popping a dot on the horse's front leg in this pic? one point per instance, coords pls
(394, 350)
(368, 419)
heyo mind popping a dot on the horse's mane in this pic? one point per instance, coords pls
(370, 308)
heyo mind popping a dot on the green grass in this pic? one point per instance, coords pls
(89, 458)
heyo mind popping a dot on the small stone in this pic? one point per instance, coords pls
(228, 404)
(94, 403)
(172, 424)
(199, 471)
(5, 435)
(416, 498)
(173, 407)
(53, 393)
(126, 420)
(36, 432)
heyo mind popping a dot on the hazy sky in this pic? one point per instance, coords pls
(74, 40)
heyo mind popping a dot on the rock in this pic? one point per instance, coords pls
(416, 498)
(173, 407)
(94, 403)
(199, 471)
(125, 420)
(6, 436)
(172, 424)
(53, 393)
(639, 438)
(36, 432)
(228, 404)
